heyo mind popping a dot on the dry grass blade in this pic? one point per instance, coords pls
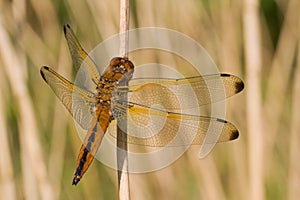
(8, 188)
(122, 156)
(124, 27)
(39, 154)
(57, 160)
(32, 151)
(254, 105)
(282, 66)
(294, 164)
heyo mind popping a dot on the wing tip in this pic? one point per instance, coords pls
(239, 86)
(234, 135)
(225, 75)
(42, 73)
(66, 26)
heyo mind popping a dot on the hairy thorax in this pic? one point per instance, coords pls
(118, 68)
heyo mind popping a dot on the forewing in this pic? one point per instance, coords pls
(183, 93)
(79, 56)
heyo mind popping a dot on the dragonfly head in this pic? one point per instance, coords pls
(121, 67)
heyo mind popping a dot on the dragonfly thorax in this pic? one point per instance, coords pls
(103, 95)
(119, 69)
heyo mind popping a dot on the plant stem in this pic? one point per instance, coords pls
(122, 153)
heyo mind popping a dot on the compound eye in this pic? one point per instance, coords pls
(115, 61)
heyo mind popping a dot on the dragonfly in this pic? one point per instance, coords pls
(109, 100)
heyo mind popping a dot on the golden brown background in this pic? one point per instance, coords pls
(258, 41)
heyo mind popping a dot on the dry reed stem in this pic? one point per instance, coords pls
(47, 16)
(124, 27)
(282, 64)
(31, 150)
(252, 40)
(106, 12)
(211, 179)
(294, 163)
(58, 140)
(8, 188)
(29, 185)
(205, 24)
(122, 156)
(230, 54)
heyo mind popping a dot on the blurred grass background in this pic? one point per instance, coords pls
(256, 40)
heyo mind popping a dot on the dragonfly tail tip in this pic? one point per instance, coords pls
(75, 181)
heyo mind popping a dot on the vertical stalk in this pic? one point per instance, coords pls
(124, 27)
(8, 188)
(122, 151)
(252, 41)
(294, 164)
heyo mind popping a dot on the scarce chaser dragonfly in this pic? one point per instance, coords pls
(106, 103)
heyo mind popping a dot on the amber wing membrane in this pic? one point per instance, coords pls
(79, 56)
(205, 89)
(157, 128)
(78, 101)
(169, 124)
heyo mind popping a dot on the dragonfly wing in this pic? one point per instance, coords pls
(154, 127)
(79, 56)
(183, 93)
(79, 102)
